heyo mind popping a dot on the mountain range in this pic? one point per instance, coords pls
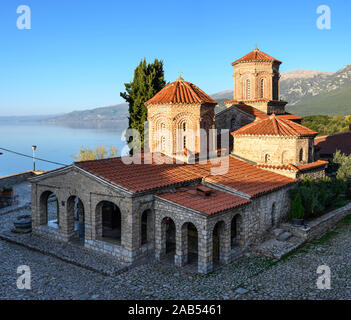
(308, 92)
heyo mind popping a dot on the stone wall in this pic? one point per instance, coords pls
(233, 119)
(11, 180)
(280, 150)
(319, 226)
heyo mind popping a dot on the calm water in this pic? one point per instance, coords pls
(55, 143)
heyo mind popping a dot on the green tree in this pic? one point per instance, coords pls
(297, 210)
(148, 80)
(100, 152)
(344, 161)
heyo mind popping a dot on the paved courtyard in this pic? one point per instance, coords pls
(251, 277)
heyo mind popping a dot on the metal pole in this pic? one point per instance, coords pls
(34, 147)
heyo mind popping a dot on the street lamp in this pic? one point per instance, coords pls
(34, 148)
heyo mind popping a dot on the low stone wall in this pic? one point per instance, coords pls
(11, 180)
(51, 233)
(319, 226)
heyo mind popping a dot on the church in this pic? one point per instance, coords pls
(198, 196)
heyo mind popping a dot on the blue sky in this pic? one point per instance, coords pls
(78, 54)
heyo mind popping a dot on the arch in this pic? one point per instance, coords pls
(146, 227)
(248, 89)
(301, 155)
(109, 226)
(76, 216)
(49, 209)
(169, 235)
(163, 143)
(236, 231)
(190, 243)
(262, 83)
(233, 124)
(218, 241)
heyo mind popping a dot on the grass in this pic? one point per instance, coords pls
(347, 220)
(325, 238)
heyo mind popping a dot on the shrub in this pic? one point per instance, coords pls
(297, 210)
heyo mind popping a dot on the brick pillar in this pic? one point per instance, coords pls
(37, 217)
(181, 256)
(225, 245)
(205, 251)
(66, 218)
(160, 239)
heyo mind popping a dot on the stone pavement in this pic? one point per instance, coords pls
(250, 277)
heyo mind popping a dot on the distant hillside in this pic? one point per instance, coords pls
(331, 96)
(115, 116)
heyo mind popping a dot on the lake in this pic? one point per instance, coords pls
(55, 143)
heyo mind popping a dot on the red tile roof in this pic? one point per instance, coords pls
(245, 177)
(139, 177)
(240, 175)
(275, 126)
(289, 116)
(217, 201)
(329, 144)
(256, 55)
(181, 91)
(291, 167)
(251, 110)
(308, 166)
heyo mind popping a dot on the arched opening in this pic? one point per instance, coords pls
(218, 233)
(248, 89)
(273, 215)
(49, 210)
(301, 155)
(146, 229)
(75, 209)
(111, 222)
(170, 230)
(163, 143)
(190, 242)
(262, 88)
(235, 234)
(233, 124)
(267, 158)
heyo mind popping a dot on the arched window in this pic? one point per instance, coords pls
(248, 89)
(163, 143)
(262, 88)
(184, 142)
(163, 126)
(232, 124)
(301, 155)
(184, 126)
(267, 158)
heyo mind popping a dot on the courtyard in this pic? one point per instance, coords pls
(249, 277)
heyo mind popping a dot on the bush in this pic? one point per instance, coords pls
(297, 210)
(317, 196)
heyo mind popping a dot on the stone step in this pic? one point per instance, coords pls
(277, 232)
(285, 236)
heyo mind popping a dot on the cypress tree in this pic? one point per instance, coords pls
(148, 80)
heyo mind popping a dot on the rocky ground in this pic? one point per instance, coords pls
(250, 277)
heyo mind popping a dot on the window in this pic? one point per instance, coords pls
(163, 143)
(248, 89)
(184, 142)
(232, 124)
(301, 155)
(267, 158)
(184, 126)
(163, 126)
(262, 88)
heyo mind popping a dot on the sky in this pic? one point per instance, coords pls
(79, 53)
